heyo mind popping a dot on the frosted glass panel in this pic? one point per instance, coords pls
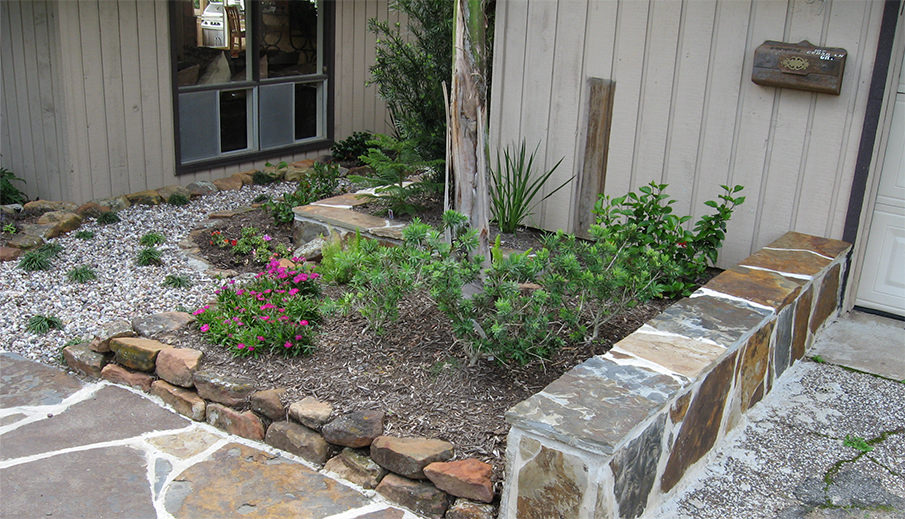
(276, 115)
(199, 125)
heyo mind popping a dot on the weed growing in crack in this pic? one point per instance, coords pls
(858, 443)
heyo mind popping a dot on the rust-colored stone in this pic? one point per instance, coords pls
(137, 353)
(184, 401)
(346, 200)
(37, 207)
(147, 197)
(84, 360)
(419, 496)
(681, 355)
(269, 403)
(753, 367)
(468, 478)
(787, 261)
(244, 177)
(120, 375)
(178, 365)
(758, 286)
(228, 184)
(9, 253)
(92, 210)
(408, 456)
(358, 469)
(299, 440)
(824, 246)
(800, 324)
(62, 222)
(679, 408)
(702, 423)
(340, 217)
(827, 299)
(551, 484)
(245, 424)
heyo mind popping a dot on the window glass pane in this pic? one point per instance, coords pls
(275, 115)
(307, 108)
(233, 120)
(198, 137)
(211, 38)
(289, 36)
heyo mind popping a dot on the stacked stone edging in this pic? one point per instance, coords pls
(615, 435)
(307, 428)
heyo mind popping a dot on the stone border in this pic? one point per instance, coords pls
(614, 436)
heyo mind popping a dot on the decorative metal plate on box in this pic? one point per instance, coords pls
(801, 66)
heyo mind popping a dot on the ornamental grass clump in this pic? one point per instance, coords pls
(81, 274)
(273, 313)
(41, 324)
(108, 218)
(152, 238)
(176, 281)
(149, 256)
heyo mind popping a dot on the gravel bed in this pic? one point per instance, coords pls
(122, 290)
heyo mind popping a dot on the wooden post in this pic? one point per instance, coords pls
(592, 180)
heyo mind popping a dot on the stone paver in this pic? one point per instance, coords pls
(23, 382)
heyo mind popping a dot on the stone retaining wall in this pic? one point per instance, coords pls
(616, 434)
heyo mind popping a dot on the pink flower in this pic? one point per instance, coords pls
(205, 327)
(287, 344)
(267, 237)
(240, 345)
(260, 338)
(240, 292)
(200, 310)
(284, 318)
(251, 348)
(298, 337)
(264, 317)
(293, 291)
(303, 323)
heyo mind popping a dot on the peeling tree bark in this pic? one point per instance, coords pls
(468, 119)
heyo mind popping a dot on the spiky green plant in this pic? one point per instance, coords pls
(148, 256)
(34, 260)
(50, 249)
(42, 324)
(81, 274)
(178, 199)
(108, 218)
(177, 281)
(84, 235)
(151, 239)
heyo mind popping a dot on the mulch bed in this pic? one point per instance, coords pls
(223, 257)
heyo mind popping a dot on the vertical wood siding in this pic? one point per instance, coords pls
(87, 109)
(685, 111)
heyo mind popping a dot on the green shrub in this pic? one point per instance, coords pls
(151, 238)
(273, 313)
(9, 228)
(262, 178)
(84, 235)
(260, 199)
(10, 194)
(178, 199)
(34, 260)
(176, 281)
(50, 249)
(410, 68)
(41, 324)
(149, 256)
(352, 148)
(108, 218)
(514, 186)
(321, 182)
(340, 261)
(81, 274)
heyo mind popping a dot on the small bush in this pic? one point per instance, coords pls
(321, 182)
(177, 281)
(108, 218)
(41, 324)
(152, 238)
(514, 187)
(178, 199)
(352, 148)
(50, 249)
(10, 194)
(34, 260)
(261, 178)
(149, 256)
(81, 274)
(84, 235)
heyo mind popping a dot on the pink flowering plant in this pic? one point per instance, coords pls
(273, 313)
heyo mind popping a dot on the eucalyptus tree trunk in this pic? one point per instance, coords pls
(468, 119)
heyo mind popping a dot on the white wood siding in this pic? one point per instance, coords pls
(87, 109)
(685, 111)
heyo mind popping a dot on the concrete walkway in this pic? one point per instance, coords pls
(827, 442)
(75, 449)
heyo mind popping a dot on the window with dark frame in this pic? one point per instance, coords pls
(250, 78)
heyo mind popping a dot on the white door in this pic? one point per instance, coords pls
(882, 285)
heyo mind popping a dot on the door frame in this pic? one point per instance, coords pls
(872, 185)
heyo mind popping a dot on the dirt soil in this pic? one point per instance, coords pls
(223, 258)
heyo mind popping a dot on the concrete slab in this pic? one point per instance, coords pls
(112, 413)
(24, 382)
(865, 342)
(99, 483)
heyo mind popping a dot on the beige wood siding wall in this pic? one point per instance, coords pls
(87, 102)
(685, 111)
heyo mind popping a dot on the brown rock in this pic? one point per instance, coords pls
(80, 358)
(702, 423)
(303, 164)
(46, 206)
(25, 241)
(465, 509)
(758, 286)
(91, 210)
(9, 253)
(824, 246)
(408, 456)
(178, 365)
(137, 353)
(550, 484)
(228, 184)
(269, 403)
(311, 412)
(753, 366)
(231, 391)
(787, 261)
(800, 338)
(354, 429)
(167, 191)
(201, 188)
(418, 496)
(245, 424)
(299, 440)
(468, 478)
(184, 401)
(112, 330)
(827, 299)
(147, 197)
(120, 375)
(679, 408)
(62, 222)
(246, 177)
(162, 322)
(116, 203)
(356, 468)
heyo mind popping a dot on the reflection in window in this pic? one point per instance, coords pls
(288, 42)
(211, 43)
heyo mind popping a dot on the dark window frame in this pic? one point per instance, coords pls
(329, 32)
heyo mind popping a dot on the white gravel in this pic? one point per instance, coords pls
(122, 290)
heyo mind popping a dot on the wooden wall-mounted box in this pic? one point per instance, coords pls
(801, 66)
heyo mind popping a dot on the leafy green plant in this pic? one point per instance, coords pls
(84, 235)
(393, 162)
(9, 228)
(108, 217)
(41, 324)
(274, 313)
(149, 256)
(321, 182)
(262, 178)
(178, 199)
(857, 443)
(151, 238)
(645, 219)
(409, 70)
(260, 199)
(50, 249)
(34, 260)
(81, 274)
(10, 194)
(514, 186)
(818, 359)
(75, 341)
(176, 281)
(352, 147)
